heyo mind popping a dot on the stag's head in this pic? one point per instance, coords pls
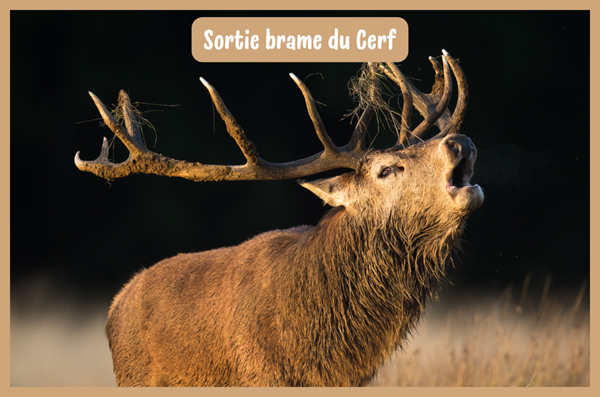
(415, 181)
(435, 173)
(403, 182)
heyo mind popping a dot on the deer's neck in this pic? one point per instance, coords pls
(378, 259)
(362, 284)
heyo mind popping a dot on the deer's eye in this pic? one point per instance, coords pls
(385, 172)
(388, 170)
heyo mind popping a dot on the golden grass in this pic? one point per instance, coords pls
(529, 342)
(470, 341)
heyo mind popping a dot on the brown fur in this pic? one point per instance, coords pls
(308, 306)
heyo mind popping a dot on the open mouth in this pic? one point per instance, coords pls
(460, 176)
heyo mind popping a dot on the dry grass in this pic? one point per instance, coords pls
(470, 341)
(529, 342)
(60, 346)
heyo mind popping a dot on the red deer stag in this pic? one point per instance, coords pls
(308, 306)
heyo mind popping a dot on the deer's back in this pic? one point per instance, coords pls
(207, 318)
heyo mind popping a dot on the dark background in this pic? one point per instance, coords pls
(528, 74)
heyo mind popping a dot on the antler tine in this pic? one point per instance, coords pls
(233, 128)
(463, 97)
(357, 141)
(102, 159)
(131, 123)
(426, 103)
(130, 136)
(314, 116)
(441, 106)
(407, 99)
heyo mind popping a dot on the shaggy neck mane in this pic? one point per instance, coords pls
(362, 285)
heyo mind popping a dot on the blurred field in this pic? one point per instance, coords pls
(55, 344)
(515, 339)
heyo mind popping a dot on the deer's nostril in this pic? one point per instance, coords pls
(453, 145)
(460, 145)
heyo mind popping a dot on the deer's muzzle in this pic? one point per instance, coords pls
(461, 154)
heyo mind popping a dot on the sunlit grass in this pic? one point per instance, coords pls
(517, 339)
(506, 342)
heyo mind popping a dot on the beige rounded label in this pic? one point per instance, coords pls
(299, 39)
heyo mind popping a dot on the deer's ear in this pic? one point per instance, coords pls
(331, 190)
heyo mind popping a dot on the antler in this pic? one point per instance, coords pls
(432, 106)
(142, 160)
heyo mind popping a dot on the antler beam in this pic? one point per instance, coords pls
(142, 160)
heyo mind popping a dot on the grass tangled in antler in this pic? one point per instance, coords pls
(118, 113)
(372, 88)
